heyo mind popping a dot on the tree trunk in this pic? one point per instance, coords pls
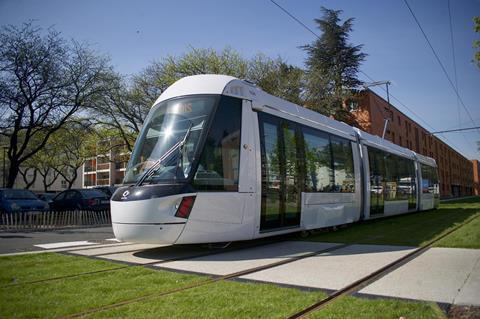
(12, 173)
(24, 174)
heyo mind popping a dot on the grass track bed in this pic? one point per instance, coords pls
(53, 299)
(25, 268)
(415, 229)
(359, 308)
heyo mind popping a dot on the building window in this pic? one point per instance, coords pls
(399, 121)
(103, 178)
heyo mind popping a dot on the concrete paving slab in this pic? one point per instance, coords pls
(333, 270)
(470, 292)
(158, 254)
(438, 275)
(231, 262)
(66, 244)
(114, 249)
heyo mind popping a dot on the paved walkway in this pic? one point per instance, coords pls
(446, 275)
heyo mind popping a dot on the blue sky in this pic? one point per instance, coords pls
(134, 33)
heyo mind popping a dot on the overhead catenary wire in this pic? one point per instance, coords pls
(364, 73)
(440, 62)
(457, 130)
(454, 60)
(454, 63)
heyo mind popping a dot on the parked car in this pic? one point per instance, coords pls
(85, 199)
(47, 197)
(108, 190)
(20, 200)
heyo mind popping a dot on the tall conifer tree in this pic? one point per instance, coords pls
(332, 66)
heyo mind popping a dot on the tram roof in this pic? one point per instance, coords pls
(231, 86)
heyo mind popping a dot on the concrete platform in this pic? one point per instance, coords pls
(113, 249)
(450, 275)
(231, 262)
(333, 270)
(158, 254)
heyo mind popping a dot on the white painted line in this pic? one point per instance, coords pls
(65, 244)
(59, 250)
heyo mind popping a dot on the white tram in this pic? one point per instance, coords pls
(220, 160)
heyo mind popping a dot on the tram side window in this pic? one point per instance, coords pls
(318, 168)
(328, 162)
(218, 167)
(391, 176)
(429, 179)
(344, 178)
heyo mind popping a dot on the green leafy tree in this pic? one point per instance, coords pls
(332, 66)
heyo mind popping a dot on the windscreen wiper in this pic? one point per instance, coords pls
(156, 165)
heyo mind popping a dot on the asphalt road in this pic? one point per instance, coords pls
(12, 242)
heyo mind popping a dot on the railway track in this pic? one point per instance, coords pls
(317, 306)
(243, 245)
(202, 283)
(374, 276)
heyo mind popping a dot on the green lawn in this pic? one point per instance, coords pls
(352, 307)
(415, 229)
(26, 268)
(225, 299)
(61, 297)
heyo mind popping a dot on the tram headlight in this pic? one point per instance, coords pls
(185, 207)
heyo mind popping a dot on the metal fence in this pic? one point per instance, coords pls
(50, 220)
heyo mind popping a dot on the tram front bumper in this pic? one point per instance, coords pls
(151, 221)
(148, 233)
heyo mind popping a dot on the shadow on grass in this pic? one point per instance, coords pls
(407, 230)
(475, 199)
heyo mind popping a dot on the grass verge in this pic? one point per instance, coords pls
(415, 229)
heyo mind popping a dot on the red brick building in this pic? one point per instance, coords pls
(455, 171)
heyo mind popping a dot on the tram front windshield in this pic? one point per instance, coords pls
(168, 123)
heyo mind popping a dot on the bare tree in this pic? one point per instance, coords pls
(25, 173)
(44, 81)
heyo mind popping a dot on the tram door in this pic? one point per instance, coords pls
(377, 186)
(281, 192)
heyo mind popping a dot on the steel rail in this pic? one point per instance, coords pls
(248, 245)
(374, 276)
(201, 283)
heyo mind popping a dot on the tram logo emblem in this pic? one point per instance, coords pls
(125, 194)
